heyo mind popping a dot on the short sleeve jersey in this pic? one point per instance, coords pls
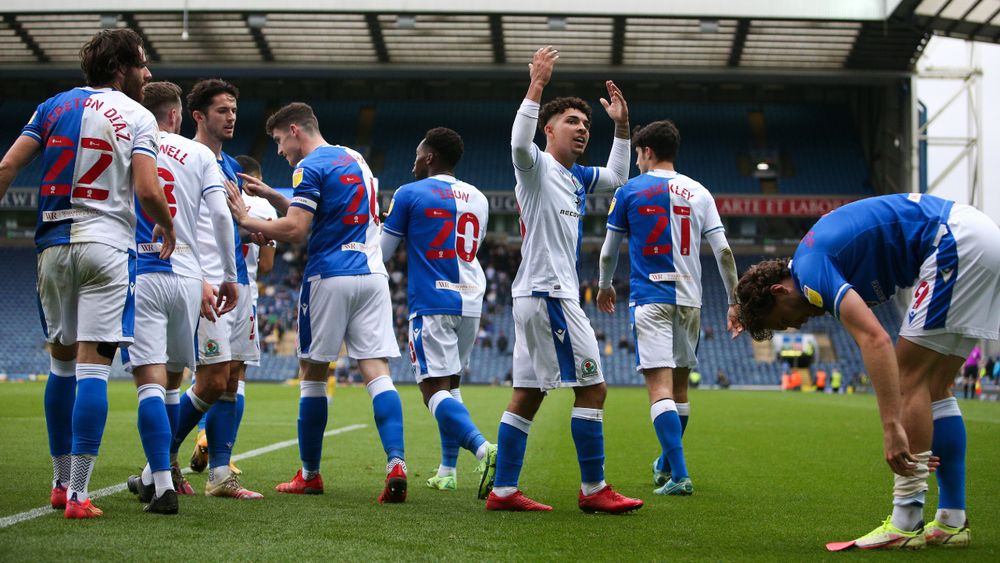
(874, 246)
(89, 137)
(211, 260)
(665, 215)
(444, 223)
(552, 201)
(188, 172)
(335, 184)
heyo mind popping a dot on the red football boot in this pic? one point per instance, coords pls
(395, 485)
(607, 500)
(299, 486)
(86, 509)
(516, 502)
(58, 497)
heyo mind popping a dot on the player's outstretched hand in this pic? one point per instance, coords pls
(168, 239)
(606, 298)
(234, 198)
(209, 296)
(542, 63)
(228, 297)
(617, 108)
(254, 186)
(733, 324)
(897, 451)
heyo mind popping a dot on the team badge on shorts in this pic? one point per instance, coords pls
(588, 367)
(211, 348)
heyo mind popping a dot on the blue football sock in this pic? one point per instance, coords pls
(388, 415)
(191, 409)
(588, 434)
(453, 418)
(683, 412)
(313, 413)
(220, 427)
(90, 411)
(512, 440)
(60, 395)
(241, 402)
(173, 404)
(949, 445)
(154, 426)
(667, 425)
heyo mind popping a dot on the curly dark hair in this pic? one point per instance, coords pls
(109, 51)
(754, 295)
(447, 144)
(559, 105)
(204, 91)
(661, 136)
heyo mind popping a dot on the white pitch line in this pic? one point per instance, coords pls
(8, 521)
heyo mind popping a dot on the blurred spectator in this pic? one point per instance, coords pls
(721, 379)
(502, 342)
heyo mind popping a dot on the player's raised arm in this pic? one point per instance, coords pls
(21, 153)
(880, 362)
(523, 149)
(615, 173)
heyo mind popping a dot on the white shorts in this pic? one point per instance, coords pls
(440, 345)
(958, 291)
(351, 310)
(243, 328)
(85, 293)
(232, 337)
(166, 317)
(666, 336)
(554, 345)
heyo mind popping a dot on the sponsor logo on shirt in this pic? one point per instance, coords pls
(64, 214)
(459, 287)
(813, 296)
(669, 277)
(354, 247)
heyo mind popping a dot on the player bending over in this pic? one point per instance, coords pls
(345, 292)
(444, 223)
(664, 214)
(554, 344)
(858, 256)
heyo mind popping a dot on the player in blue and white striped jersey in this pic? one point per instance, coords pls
(96, 142)
(345, 293)
(444, 223)
(664, 214)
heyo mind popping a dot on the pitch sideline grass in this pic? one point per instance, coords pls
(776, 476)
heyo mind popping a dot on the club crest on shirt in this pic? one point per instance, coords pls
(813, 296)
(297, 177)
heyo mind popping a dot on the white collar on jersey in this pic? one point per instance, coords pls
(661, 173)
(445, 178)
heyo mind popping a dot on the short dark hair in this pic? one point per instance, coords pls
(753, 292)
(204, 91)
(249, 165)
(296, 112)
(110, 51)
(447, 144)
(159, 97)
(559, 105)
(661, 136)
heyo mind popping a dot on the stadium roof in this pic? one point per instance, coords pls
(786, 36)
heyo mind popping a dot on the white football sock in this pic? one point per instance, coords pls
(591, 488)
(483, 449)
(444, 471)
(504, 491)
(147, 476)
(954, 517)
(163, 482)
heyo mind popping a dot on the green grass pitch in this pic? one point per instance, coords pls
(776, 476)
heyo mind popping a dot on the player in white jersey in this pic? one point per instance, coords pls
(665, 214)
(98, 147)
(168, 294)
(444, 223)
(554, 344)
(224, 341)
(345, 294)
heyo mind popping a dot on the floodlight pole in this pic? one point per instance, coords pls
(969, 90)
